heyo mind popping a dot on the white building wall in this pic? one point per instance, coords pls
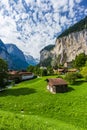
(48, 87)
(25, 77)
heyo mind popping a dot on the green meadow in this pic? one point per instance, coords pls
(30, 106)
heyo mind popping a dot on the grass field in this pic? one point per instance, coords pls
(29, 106)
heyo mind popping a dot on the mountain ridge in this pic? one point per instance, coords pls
(14, 56)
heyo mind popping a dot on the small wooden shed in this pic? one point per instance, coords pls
(57, 85)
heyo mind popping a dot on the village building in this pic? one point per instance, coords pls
(26, 75)
(57, 85)
(20, 75)
(67, 64)
(62, 71)
(72, 70)
(13, 75)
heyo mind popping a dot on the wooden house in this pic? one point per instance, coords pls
(20, 75)
(26, 75)
(62, 71)
(57, 85)
(72, 70)
(13, 75)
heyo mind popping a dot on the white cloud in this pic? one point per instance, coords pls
(78, 1)
(85, 12)
(36, 25)
(58, 4)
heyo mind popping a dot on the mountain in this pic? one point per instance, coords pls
(70, 43)
(15, 57)
(30, 60)
(18, 58)
(2, 46)
(4, 54)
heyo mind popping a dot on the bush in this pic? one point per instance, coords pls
(79, 75)
(59, 76)
(84, 72)
(71, 77)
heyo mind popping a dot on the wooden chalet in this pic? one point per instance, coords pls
(57, 85)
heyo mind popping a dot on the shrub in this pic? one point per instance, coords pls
(84, 72)
(59, 76)
(71, 77)
(79, 75)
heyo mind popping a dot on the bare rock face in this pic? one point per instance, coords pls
(69, 46)
(66, 48)
(46, 55)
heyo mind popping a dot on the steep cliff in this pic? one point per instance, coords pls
(69, 44)
(68, 47)
(46, 55)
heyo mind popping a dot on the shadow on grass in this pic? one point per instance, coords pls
(70, 89)
(17, 91)
(80, 82)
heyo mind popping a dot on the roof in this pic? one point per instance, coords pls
(72, 70)
(19, 73)
(13, 72)
(56, 81)
(60, 70)
(25, 73)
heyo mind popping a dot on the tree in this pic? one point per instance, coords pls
(3, 73)
(30, 68)
(43, 72)
(80, 60)
(50, 70)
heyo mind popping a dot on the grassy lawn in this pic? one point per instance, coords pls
(29, 106)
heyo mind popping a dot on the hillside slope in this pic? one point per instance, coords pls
(30, 105)
(20, 121)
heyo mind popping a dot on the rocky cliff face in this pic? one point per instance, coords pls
(67, 47)
(46, 55)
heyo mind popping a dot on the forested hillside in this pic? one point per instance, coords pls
(75, 28)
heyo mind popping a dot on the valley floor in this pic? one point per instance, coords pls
(29, 106)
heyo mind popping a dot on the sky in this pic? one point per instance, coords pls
(33, 24)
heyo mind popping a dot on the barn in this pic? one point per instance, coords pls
(57, 85)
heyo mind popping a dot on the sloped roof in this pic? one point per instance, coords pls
(56, 82)
(19, 73)
(25, 73)
(13, 72)
(60, 70)
(72, 70)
